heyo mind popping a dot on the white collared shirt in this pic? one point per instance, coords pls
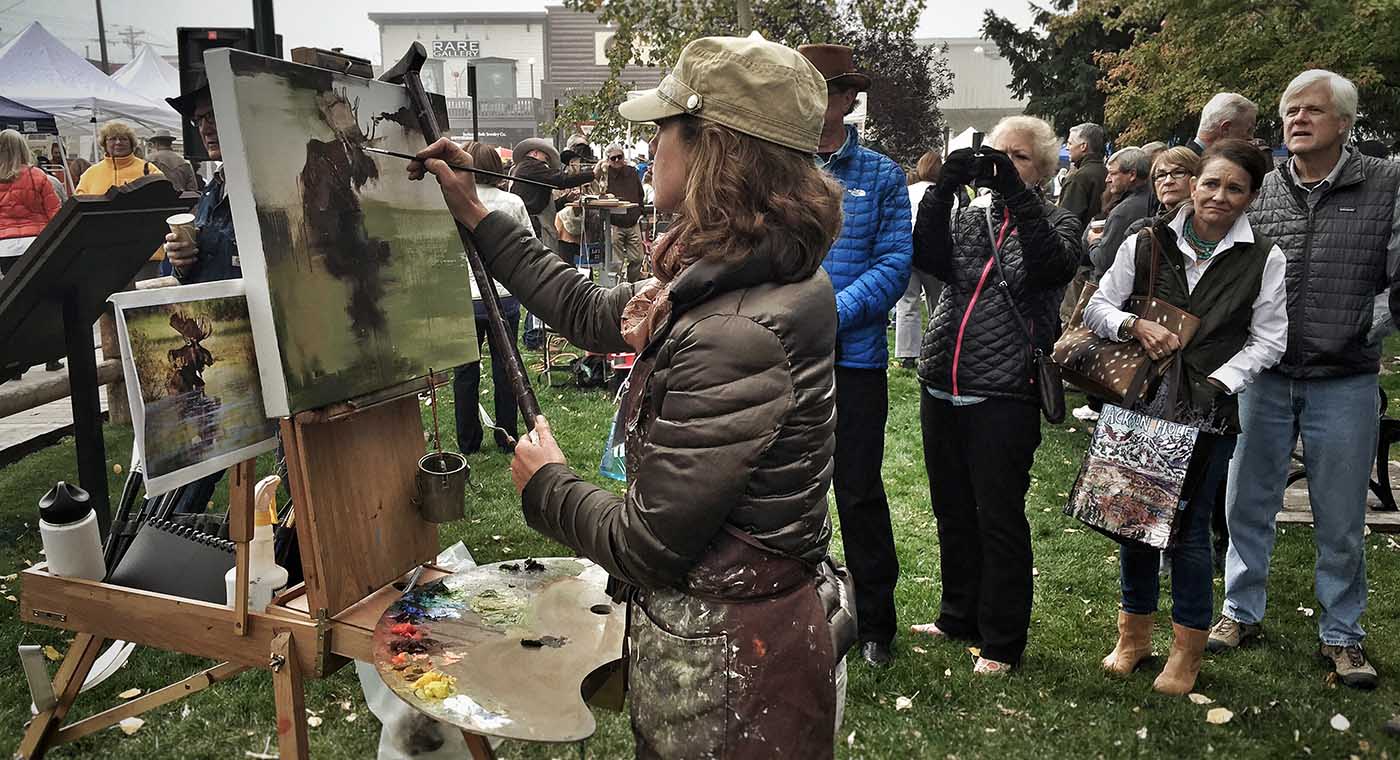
(1268, 324)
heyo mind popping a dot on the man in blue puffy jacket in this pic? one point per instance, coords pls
(869, 268)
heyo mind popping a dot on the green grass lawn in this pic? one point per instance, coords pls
(1059, 704)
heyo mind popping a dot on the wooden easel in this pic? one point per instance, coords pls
(351, 475)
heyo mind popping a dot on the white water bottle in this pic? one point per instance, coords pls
(68, 528)
(265, 576)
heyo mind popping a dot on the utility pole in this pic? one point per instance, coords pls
(132, 34)
(102, 38)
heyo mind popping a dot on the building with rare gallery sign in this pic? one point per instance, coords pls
(525, 60)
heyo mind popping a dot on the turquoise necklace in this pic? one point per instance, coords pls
(1204, 248)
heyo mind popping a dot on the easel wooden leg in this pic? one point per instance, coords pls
(67, 683)
(175, 691)
(479, 746)
(291, 700)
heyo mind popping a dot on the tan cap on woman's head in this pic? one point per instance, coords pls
(748, 84)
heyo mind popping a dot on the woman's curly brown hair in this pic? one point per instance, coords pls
(742, 192)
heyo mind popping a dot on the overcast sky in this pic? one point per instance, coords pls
(336, 23)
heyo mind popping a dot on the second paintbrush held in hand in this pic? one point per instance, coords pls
(473, 170)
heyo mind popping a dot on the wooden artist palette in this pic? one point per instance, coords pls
(503, 649)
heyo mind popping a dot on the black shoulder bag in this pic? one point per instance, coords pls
(1045, 373)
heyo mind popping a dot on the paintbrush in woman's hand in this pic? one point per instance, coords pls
(484, 172)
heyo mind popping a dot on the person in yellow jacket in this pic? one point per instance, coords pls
(120, 166)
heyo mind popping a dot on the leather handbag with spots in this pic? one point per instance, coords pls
(1116, 372)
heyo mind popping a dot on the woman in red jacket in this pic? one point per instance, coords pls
(27, 200)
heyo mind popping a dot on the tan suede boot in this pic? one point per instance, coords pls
(1134, 644)
(1184, 662)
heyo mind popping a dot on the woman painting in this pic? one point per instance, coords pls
(729, 411)
(979, 409)
(1213, 266)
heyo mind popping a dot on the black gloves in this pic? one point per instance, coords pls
(959, 169)
(983, 167)
(997, 171)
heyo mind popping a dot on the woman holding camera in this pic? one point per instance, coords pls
(1213, 266)
(979, 410)
(729, 409)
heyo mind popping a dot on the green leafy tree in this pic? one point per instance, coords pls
(1054, 63)
(908, 79)
(1157, 87)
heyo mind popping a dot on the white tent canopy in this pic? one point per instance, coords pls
(963, 140)
(149, 76)
(41, 72)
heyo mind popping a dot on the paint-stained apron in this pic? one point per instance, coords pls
(738, 662)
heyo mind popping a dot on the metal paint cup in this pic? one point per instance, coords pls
(183, 226)
(442, 486)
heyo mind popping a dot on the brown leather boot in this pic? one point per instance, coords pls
(1184, 662)
(1134, 644)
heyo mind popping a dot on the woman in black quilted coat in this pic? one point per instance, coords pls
(979, 410)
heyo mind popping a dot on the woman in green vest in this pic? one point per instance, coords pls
(1213, 266)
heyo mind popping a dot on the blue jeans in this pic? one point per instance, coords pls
(1338, 420)
(1192, 576)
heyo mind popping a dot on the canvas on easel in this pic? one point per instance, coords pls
(355, 276)
(192, 381)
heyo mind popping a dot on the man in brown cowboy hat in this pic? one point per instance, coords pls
(172, 164)
(869, 269)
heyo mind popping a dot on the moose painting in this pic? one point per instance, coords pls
(192, 379)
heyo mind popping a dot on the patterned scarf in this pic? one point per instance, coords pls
(651, 303)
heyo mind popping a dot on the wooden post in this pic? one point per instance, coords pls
(291, 700)
(69, 681)
(118, 409)
(240, 531)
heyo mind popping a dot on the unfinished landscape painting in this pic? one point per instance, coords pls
(192, 381)
(355, 276)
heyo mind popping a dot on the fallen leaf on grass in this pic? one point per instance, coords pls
(851, 739)
(313, 721)
(12, 576)
(1073, 530)
(130, 726)
(345, 705)
(129, 694)
(10, 598)
(1219, 716)
(350, 717)
(920, 650)
(903, 703)
(947, 672)
(1142, 732)
(1199, 699)
(975, 651)
(1339, 722)
(186, 712)
(1307, 611)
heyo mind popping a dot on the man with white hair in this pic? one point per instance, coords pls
(1227, 114)
(1336, 215)
(1129, 171)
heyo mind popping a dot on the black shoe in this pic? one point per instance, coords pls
(876, 655)
(909, 362)
(54, 366)
(1392, 726)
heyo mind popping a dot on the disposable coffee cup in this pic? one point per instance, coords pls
(183, 227)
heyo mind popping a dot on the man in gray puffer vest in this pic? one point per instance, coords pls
(1336, 215)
